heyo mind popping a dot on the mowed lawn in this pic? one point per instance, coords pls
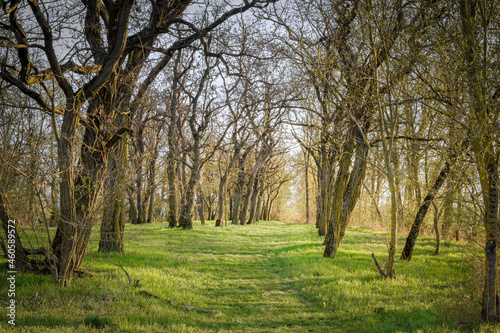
(267, 277)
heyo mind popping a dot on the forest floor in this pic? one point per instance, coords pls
(267, 277)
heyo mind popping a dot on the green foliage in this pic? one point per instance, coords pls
(268, 277)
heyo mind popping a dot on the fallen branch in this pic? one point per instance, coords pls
(128, 276)
(380, 270)
(182, 306)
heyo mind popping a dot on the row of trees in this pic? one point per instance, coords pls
(92, 79)
(168, 106)
(406, 90)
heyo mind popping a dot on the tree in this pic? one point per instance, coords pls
(478, 21)
(112, 47)
(201, 113)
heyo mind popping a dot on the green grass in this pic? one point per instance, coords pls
(268, 277)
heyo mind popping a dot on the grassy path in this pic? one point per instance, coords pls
(268, 277)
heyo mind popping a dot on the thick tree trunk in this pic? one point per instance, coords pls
(258, 209)
(266, 207)
(78, 197)
(246, 200)
(113, 224)
(253, 201)
(475, 53)
(186, 215)
(237, 202)
(132, 213)
(490, 306)
(139, 202)
(332, 239)
(347, 188)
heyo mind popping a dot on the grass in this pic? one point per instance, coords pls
(268, 277)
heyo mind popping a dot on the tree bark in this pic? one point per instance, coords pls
(186, 214)
(113, 224)
(132, 214)
(78, 203)
(222, 200)
(260, 199)
(237, 196)
(139, 200)
(253, 201)
(332, 239)
(490, 294)
(246, 200)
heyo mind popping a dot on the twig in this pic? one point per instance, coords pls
(128, 276)
(380, 270)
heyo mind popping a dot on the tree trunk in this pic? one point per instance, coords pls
(151, 182)
(490, 294)
(237, 197)
(200, 206)
(246, 200)
(353, 189)
(113, 223)
(332, 239)
(422, 211)
(306, 162)
(222, 200)
(139, 202)
(172, 142)
(78, 203)
(447, 211)
(436, 227)
(132, 213)
(258, 210)
(186, 215)
(253, 201)
(172, 191)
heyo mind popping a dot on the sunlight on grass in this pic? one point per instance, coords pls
(268, 277)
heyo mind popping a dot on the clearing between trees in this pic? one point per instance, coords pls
(265, 277)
